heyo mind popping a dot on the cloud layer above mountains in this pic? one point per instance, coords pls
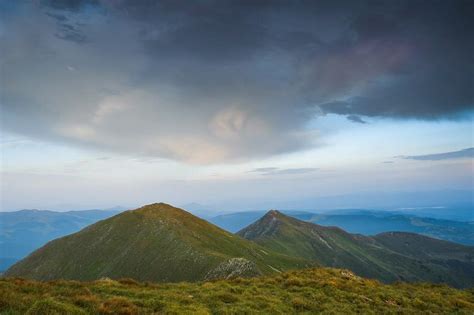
(217, 81)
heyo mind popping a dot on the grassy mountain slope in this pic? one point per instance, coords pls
(380, 257)
(310, 291)
(155, 243)
(423, 247)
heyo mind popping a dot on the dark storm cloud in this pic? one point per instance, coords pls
(69, 5)
(466, 153)
(212, 81)
(430, 62)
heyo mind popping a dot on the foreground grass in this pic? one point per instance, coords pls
(322, 290)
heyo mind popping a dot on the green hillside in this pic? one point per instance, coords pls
(154, 243)
(310, 291)
(387, 257)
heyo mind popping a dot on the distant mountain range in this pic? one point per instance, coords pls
(23, 231)
(159, 242)
(365, 222)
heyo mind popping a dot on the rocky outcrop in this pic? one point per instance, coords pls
(232, 268)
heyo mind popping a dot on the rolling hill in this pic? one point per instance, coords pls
(387, 257)
(157, 242)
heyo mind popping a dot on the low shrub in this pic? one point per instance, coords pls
(227, 297)
(49, 306)
(118, 306)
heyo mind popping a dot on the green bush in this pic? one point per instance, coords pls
(49, 306)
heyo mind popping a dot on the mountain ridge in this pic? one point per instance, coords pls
(156, 242)
(365, 222)
(384, 256)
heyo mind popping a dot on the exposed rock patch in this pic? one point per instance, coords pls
(232, 268)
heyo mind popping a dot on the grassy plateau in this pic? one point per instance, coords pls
(317, 290)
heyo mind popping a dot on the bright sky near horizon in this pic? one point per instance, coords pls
(233, 104)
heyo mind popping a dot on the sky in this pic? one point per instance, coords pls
(235, 105)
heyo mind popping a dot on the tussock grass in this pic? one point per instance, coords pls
(309, 291)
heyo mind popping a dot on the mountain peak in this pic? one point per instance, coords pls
(160, 209)
(273, 214)
(266, 225)
(157, 205)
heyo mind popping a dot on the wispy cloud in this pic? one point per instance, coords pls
(466, 153)
(283, 171)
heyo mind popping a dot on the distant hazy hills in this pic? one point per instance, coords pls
(365, 222)
(161, 243)
(374, 223)
(155, 243)
(387, 257)
(23, 231)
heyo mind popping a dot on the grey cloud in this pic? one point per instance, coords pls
(429, 66)
(216, 81)
(356, 119)
(68, 5)
(466, 153)
(284, 171)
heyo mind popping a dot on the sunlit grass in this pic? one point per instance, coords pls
(331, 291)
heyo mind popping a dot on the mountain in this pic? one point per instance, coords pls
(234, 222)
(366, 222)
(23, 231)
(387, 257)
(157, 242)
(308, 291)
